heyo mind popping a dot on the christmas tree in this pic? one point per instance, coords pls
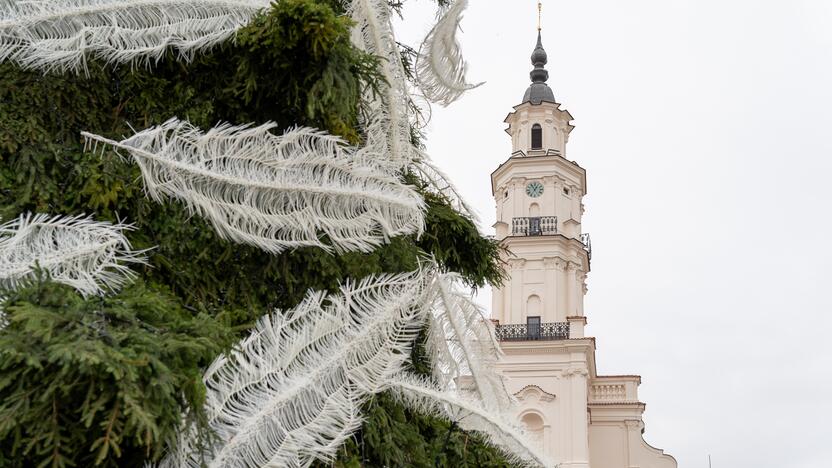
(223, 244)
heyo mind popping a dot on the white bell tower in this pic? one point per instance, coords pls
(581, 419)
(538, 193)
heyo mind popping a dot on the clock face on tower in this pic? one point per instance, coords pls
(534, 189)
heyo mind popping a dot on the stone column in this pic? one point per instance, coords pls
(550, 285)
(578, 449)
(497, 310)
(562, 290)
(550, 195)
(514, 300)
(518, 193)
(572, 289)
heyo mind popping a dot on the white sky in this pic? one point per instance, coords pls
(704, 129)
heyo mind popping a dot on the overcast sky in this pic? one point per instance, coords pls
(704, 127)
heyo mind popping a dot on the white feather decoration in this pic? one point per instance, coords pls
(90, 256)
(61, 34)
(275, 192)
(438, 181)
(291, 392)
(461, 339)
(388, 131)
(470, 415)
(4, 320)
(440, 67)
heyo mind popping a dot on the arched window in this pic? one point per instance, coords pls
(537, 137)
(533, 306)
(534, 425)
(534, 210)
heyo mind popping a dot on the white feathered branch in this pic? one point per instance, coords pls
(463, 344)
(440, 67)
(465, 387)
(60, 34)
(292, 391)
(389, 127)
(90, 256)
(388, 130)
(499, 428)
(275, 192)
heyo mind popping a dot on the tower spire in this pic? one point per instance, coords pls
(539, 91)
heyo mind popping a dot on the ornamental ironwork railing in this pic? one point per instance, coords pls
(587, 245)
(535, 331)
(534, 226)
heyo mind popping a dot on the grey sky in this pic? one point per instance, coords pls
(704, 127)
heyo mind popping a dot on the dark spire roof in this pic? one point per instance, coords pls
(539, 91)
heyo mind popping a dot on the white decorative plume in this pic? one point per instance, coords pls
(90, 256)
(388, 130)
(439, 183)
(440, 67)
(291, 392)
(61, 34)
(461, 340)
(275, 192)
(469, 414)
(465, 387)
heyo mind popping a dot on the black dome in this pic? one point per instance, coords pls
(539, 91)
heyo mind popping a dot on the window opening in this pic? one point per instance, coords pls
(533, 327)
(537, 137)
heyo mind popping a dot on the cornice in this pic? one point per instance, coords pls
(562, 162)
(626, 404)
(548, 347)
(602, 378)
(577, 253)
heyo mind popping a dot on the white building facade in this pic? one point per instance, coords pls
(580, 418)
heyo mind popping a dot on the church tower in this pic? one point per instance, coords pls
(581, 419)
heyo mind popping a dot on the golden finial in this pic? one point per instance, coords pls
(539, 13)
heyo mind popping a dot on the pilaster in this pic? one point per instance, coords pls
(577, 378)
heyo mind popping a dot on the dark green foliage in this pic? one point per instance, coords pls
(293, 65)
(393, 436)
(98, 381)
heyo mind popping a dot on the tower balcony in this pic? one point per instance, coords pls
(534, 226)
(533, 331)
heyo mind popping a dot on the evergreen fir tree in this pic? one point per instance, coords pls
(105, 381)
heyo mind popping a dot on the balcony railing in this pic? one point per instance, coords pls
(534, 226)
(530, 332)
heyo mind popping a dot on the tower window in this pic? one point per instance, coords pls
(537, 137)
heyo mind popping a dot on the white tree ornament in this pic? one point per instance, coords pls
(61, 34)
(90, 256)
(388, 131)
(291, 392)
(389, 127)
(471, 415)
(275, 192)
(440, 67)
(462, 342)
